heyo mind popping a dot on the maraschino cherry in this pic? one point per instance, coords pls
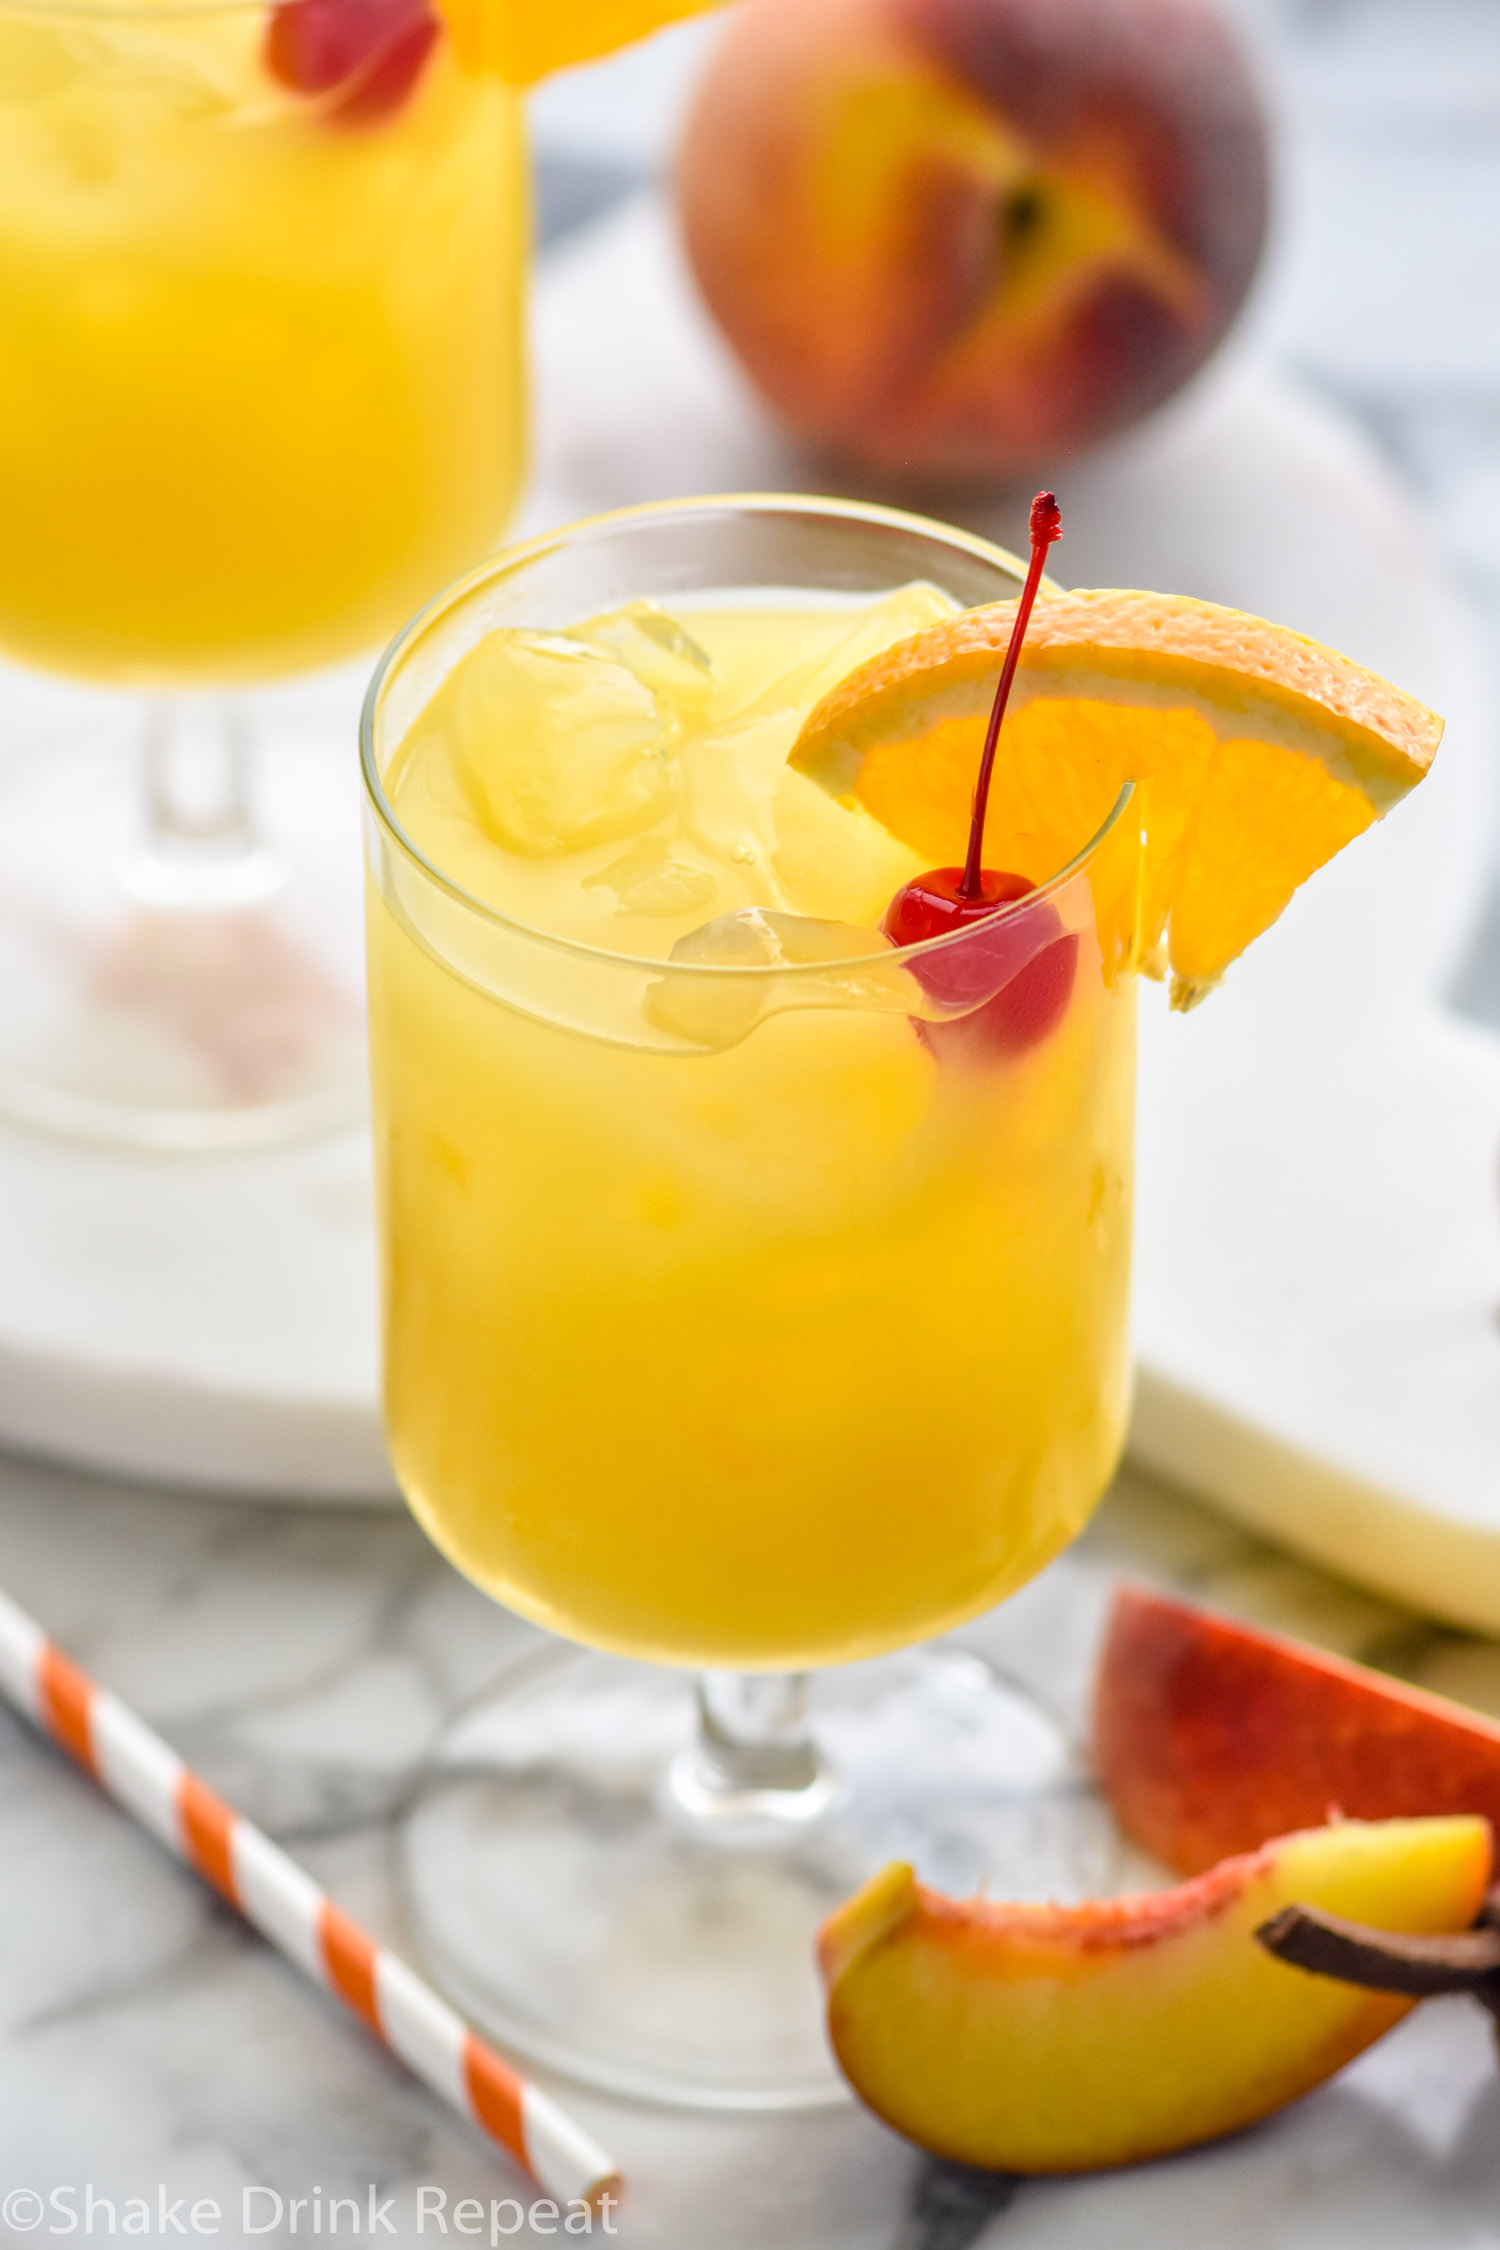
(365, 56)
(1017, 980)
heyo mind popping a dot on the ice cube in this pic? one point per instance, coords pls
(649, 881)
(558, 745)
(751, 939)
(715, 1011)
(661, 653)
(835, 859)
(730, 778)
(178, 89)
(146, 70)
(871, 628)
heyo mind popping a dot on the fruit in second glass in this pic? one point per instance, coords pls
(522, 41)
(366, 55)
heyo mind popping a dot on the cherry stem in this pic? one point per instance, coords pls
(1046, 525)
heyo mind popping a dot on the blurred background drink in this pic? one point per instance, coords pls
(260, 390)
(749, 1302)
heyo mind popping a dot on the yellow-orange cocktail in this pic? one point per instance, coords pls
(261, 389)
(260, 349)
(734, 1316)
(755, 1285)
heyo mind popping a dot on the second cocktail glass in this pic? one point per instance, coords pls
(261, 274)
(736, 1316)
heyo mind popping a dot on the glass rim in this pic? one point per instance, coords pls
(501, 564)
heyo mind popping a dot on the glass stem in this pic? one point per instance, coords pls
(753, 1754)
(201, 851)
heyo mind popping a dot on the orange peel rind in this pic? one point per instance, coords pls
(1257, 754)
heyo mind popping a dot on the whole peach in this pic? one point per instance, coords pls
(963, 238)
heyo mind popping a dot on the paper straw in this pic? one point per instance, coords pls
(284, 1903)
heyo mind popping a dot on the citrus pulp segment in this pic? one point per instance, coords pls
(1256, 755)
(521, 42)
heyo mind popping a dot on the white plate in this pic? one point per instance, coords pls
(1319, 1265)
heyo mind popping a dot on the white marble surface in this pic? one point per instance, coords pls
(150, 2048)
(300, 1661)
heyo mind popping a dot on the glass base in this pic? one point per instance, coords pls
(187, 990)
(584, 1892)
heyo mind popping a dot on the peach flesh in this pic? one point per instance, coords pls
(1058, 2039)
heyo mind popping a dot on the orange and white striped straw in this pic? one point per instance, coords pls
(283, 1902)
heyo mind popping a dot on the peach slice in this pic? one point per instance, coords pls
(1065, 2039)
(1210, 1736)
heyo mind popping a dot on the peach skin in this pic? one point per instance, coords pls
(1209, 1736)
(962, 238)
(1066, 2039)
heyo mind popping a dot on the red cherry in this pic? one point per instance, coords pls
(1015, 974)
(1026, 1012)
(1017, 979)
(931, 905)
(369, 52)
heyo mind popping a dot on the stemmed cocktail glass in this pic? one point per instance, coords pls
(260, 344)
(736, 1317)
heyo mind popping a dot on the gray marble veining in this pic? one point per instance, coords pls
(149, 2044)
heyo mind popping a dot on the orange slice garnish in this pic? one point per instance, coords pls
(1256, 754)
(522, 40)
